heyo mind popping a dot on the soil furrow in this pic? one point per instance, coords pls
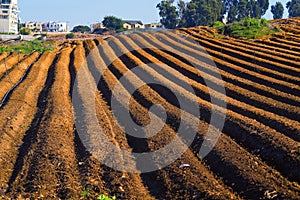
(48, 145)
(270, 62)
(16, 75)
(7, 63)
(233, 91)
(269, 47)
(289, 37)
(215, 156)
(288, 42)
(251, 65)
(119, 183)
(279, 44)
(264, 49)
(250, 141)
(201, 186)
(279, 123)
(183, 114)
(19, 112)
(192, 50)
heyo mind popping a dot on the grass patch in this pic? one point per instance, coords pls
(104, 197)
(28, 47)
(250, 28)
(87, 195)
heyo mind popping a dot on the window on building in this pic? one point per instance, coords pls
(6, 1)
(5, 11)
(3, 17)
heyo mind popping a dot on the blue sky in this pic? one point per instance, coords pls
(91, 11)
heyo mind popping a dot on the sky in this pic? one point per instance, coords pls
(87, 12)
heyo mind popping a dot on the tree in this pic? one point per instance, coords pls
(112, 23)
(257, 8)
(231, 8)
(81, 29)
(239, 9)
(182, 9)
(168, 13)
(181, 5)
(277, 10)
(203, 12)
(264, 6)
(293, 7)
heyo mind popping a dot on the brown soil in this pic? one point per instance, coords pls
(256, 157)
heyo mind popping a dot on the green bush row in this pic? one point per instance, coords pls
(28, 47)
(248, 28)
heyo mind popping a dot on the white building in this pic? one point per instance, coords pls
(9, 16)
(55, 27)
(34, 26)
(62, 27)
(154, 26)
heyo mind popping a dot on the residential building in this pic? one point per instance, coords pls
(62, 27)
(34, 26)
(154, 26)
(45, 26)
(97, 26)
(55, 27)
(9, 16)
(132, 24)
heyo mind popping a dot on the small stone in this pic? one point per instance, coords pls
(121, 188)
(293, 151)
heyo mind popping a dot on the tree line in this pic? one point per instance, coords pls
(206, 12)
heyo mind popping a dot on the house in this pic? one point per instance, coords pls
(34, 26)
(132, 24)
(62, 27)
(97, 26)
(9, 16)
(154, 26)
(55, 27)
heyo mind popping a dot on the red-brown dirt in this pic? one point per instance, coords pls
(257, 155)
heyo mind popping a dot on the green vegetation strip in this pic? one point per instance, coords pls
(248, 28)
(28, 47)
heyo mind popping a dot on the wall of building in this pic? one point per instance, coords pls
(9, 16)
(55, 27)
(138, 26)
(34, 26)
(127, 26)
(12, 37)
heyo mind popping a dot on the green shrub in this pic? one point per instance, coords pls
(264, 22)
(85, 193)
(28, 47)
(219, 26)
(250, 28)
(70, 36)
(25, 31)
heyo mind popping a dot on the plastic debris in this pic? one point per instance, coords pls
(270, 195)
(184, 165)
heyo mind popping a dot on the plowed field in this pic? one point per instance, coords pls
(257, 154)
